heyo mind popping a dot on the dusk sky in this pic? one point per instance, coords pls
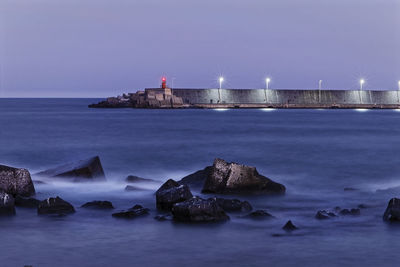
(98, 48)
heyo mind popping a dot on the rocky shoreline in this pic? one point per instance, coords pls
(174, 199)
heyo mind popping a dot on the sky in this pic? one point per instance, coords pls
(99, 48)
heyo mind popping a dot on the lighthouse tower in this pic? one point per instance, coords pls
(163, 83)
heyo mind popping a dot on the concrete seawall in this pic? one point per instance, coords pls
(209, 98)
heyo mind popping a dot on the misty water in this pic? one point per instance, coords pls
(314, 153)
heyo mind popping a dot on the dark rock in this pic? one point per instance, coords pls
(26, 202)
(233, 205)
(98, 205)
(392, 212)
(16, 181)
(323, 215)
(165, 217)
(363, 206)
(88, 169)
(198, 210)
(134, 188)
(131, 213)
(136, 179)
(197, 179)
(289, 226)
(55, 206)
(170, 193)
(7, 204)
(233, 178)
(350, 212)
(259, 214)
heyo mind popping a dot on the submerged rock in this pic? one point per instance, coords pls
(55, 206)
(198, 210)
(233, 178)
(134, 188)
(163, 217)
(350, 212)
(98, 205)
(131, 213)
(16, 181)
(323, 215)
(232, 205)
(88, 169)
(7, 204)
(136, 179)
(26, 202)
(259, 214)
(289, 226)
(170, 193)
(392, 212)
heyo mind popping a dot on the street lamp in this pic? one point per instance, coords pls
(221, 79)
(362, 81)
(399, 85)
(267, 81)
(319, 84)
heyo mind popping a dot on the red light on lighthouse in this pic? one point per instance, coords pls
(163, 82)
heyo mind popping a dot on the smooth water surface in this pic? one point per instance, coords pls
(314, 153)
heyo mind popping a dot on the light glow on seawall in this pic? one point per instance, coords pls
(268, 109)
(220, 109)
(361, 109)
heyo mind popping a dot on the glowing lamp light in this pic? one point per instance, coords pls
(221, 79)
(399, 85)
(163, 79)
(267, 81)
(362, 81)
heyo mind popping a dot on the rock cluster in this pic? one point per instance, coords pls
(55, 206)
(170, 193)
(16, 181)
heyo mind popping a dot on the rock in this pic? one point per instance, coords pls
(165, 217)
(16, 181)
(26, 202)
(39, 182)
(170, 193)
(289, 226)
(7, 204)
(392, 212)
(198, 210)
(233, 178)
(323, 215)
(363, 206)
(103, 205)
(350, 212)
(259, 214)
(197, 179)
(55, 206)
(131, 213)
(232, 205)
(134, 188)
(136, 179)
(88, 169)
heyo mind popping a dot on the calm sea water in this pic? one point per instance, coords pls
(315, 153)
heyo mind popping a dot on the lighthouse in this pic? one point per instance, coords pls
(163, 83)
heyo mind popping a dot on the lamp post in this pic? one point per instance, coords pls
(362, 81)
(399, 85)
(319, 90)
(267, 81)
(221, 79)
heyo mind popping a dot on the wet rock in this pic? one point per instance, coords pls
(83, 170)
(56, 206)
(259, 214)
(16, 181)
(170, 193)
(7, 204)
(197, 179)
(323, 215)
(233, 205)
(26, 202)
(136, 179)
(134, 212)
(198, 210)
(289, 226)
(350, 212)
(392, 212)
(233, 178)
(133, 188)
(102, 205)
(163, 217)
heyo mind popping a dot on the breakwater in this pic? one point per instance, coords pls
(253, 98)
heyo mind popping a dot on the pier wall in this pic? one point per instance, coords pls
(282, 97)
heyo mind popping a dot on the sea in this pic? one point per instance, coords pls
(325, 158)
